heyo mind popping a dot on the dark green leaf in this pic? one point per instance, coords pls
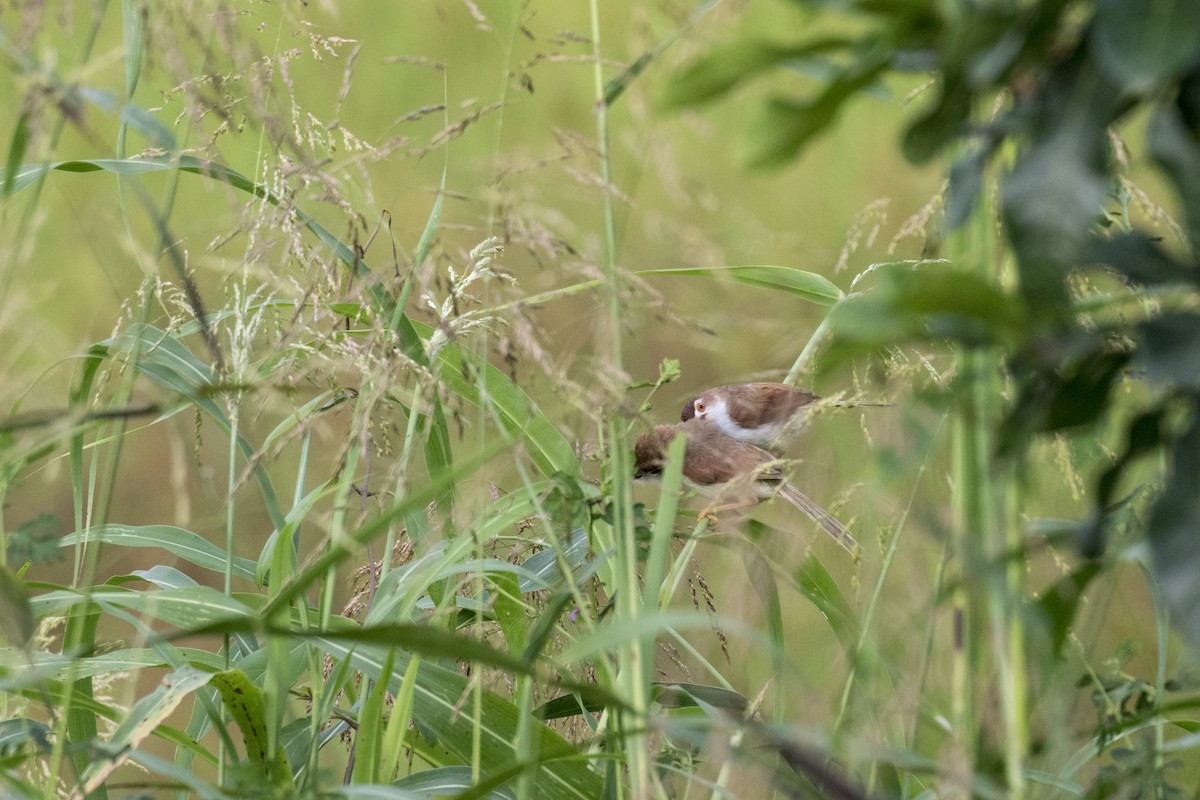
(16, 154)
(1064, 381)
(1059, 603)
(1174, 534)
(928, 302)
(1141, 259)
(1059, 184)
(786, 125)
(1175, 145)
(689, 695)
(942, 124)
(1141, 44)
(1082, 395)
(1169, 349)
(724, 68)
(966, 183)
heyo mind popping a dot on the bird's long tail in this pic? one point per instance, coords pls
(819, 515)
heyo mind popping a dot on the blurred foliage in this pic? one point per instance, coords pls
(526, 630)
(1038, 87)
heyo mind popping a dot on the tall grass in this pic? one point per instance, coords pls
(351, 514)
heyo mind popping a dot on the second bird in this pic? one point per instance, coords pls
(714, 463)
(757, 413)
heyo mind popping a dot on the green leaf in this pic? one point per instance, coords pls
(35, 541)
(809, 285)
(433, 427)
(189, 546)
(134, 40)
(926, 302)
(510, 609)
(942, 124)
(164, 577)
(724, 68)
(139, 119)
(1142, 259)
(16, 152)
(194, 608)
(1059, 603)
(1169, 350)
(15, 733)
(546, 623)
(447, 781)
(1176, 149)
(786, 125)
(1174, 541)
(247, 707)
(143, 719)
(966, 183)
(1141, 45)
(692, 695)
(564, 773)
(434, 642)
(57, 667)
(667, 695)
(823, 592)
(1059, 184)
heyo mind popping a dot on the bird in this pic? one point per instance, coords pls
(756, 413)
(714, 463)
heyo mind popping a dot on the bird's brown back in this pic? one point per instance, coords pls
(756, 404)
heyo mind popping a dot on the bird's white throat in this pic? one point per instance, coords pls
(718, 412)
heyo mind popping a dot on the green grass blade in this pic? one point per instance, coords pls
(166, 361)
(185, 544)
(244, 701)
(192, 608)
(146, 715)
(807, 285)
(564, 774)
(518, 414)
(823, 591)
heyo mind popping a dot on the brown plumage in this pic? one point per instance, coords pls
(749, 412)
(758, 413)
(717, 464)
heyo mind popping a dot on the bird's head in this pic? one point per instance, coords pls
(697, 407)
(650, 452)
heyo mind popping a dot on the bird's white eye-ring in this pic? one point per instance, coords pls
(699, 406)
